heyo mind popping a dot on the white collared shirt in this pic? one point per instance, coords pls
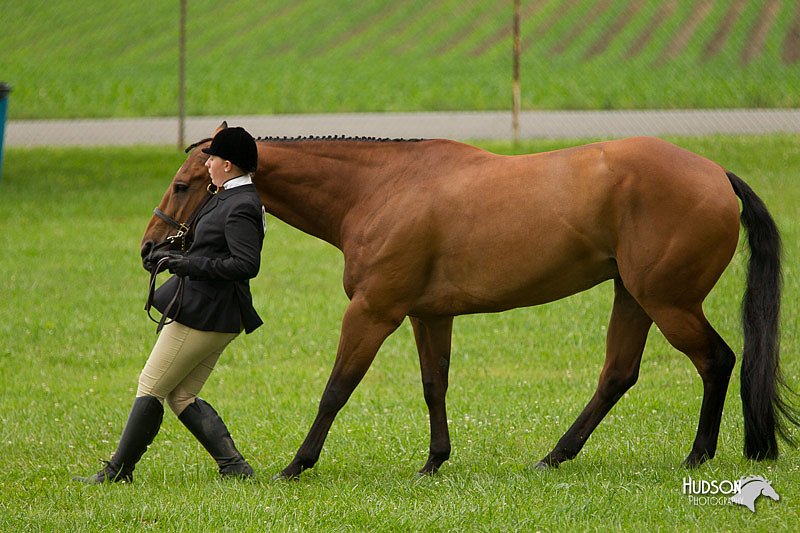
(238, 182)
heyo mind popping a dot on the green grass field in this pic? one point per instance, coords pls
(75, 338)
(71, 59)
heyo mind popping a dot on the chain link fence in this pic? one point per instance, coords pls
(88, 71)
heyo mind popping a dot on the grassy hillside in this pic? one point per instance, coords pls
(74, 59)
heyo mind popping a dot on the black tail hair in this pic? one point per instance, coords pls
(766, 398)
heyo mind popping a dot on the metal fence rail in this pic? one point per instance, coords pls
(468, 125)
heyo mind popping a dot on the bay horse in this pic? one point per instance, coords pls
(432, 229)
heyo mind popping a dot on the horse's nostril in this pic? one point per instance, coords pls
(147, 247)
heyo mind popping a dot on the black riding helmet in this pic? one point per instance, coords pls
(237, 146)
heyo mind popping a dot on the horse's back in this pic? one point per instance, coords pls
(495, 232)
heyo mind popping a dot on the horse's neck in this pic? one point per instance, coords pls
(311, 185)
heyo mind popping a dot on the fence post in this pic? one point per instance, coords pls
(182, 77)
(5, 89)
(515, 87)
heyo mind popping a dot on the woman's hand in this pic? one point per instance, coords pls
(171, 260)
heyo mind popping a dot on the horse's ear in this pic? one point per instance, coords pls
(221, 127)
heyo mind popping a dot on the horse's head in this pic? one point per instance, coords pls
(750, 488)
(184, 196)
(769, 492)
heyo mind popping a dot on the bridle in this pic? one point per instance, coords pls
(183, 230)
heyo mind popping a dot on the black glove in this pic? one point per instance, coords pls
(155, 260)
(179, 264)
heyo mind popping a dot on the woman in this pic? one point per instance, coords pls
(215, 307)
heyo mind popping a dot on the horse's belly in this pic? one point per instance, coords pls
(503, 280)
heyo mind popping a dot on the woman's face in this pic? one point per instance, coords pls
(218, 169)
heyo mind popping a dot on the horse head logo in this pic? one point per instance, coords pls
(750, 488)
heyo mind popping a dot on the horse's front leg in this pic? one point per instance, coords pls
(364, 328)
(433, 337)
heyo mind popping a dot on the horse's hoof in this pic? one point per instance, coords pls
(281, 476)
(696, 459)
(690, 463)
(425, 473)
(541, 465)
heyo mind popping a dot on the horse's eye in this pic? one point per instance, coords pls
(180, 187)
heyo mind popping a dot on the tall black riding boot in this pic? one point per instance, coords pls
(208, 428)
(140, 430)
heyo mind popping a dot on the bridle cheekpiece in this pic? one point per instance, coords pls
(183, 228)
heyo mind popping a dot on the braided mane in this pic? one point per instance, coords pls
(314, 138)
(334, 138)
(195, 145)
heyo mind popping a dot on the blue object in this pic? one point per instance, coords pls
(4, 90)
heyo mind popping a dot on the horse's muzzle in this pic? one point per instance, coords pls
(147, 249)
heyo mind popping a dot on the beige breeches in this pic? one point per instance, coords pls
(180, 363)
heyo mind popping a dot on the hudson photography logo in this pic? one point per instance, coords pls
(742, 492)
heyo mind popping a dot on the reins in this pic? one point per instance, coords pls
(182, 234)
(176, 299)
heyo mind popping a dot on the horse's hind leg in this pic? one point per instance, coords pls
(627, 334)
(433, 344)
(690, 332)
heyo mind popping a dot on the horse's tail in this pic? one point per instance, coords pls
(765, 395)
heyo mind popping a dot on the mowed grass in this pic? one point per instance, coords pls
(75, 338)
(71, 59)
